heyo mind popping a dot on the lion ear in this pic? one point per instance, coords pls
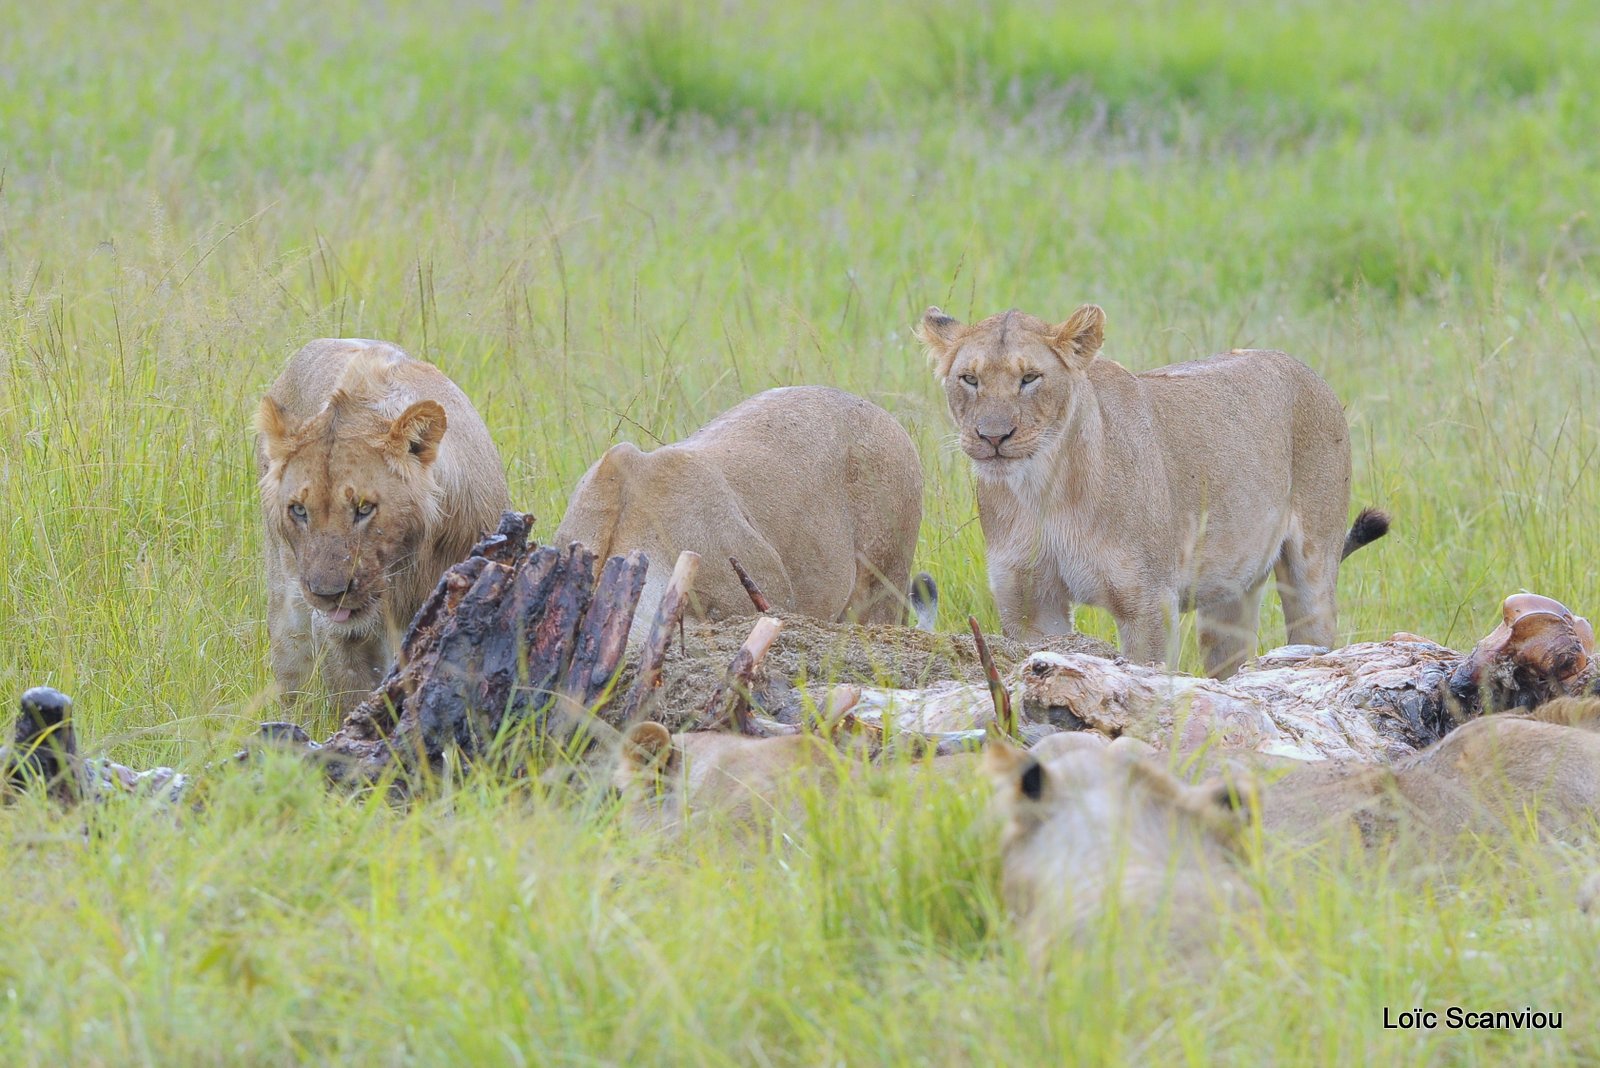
(1237, 798)
(1077, 341)
(418, 431)
(939, 332)
(1012, 769)
(1229, 808)
(647, 747)
(272, 424)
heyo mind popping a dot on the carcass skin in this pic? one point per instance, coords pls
(1371, 702)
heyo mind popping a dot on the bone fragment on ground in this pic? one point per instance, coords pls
(730, 702)
(757, 598)
(653, 653)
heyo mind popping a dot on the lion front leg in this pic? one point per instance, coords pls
(1030, 608)
(1148, 631)
(353, 668)
(1228, 628)
(292, 647)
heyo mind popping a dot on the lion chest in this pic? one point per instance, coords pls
(1086, 567)
(1060, 550)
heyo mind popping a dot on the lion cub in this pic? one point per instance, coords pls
(816, 492)
(1149, 494)
(376, 475)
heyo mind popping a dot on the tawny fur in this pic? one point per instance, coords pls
(1091, 825)
(1483, 778)
(352, 423)
(668, 780)
(816, 492)
(1090, 828)
(1150, 494)
(665, 779)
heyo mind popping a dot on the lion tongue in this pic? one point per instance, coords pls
(340, 614)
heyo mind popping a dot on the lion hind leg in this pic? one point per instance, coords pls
(876, 597)
(1228, 629)
(1307, 576)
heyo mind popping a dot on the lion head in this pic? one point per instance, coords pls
(1011, 380)
(351, 494)
(1090, 827)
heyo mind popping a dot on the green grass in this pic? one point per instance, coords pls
(615, 222)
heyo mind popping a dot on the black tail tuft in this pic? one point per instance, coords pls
(925, 600)
(1370, 525)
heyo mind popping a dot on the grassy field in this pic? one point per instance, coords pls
(614, 222)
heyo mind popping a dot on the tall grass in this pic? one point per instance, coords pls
(614, 222)
(497, 925)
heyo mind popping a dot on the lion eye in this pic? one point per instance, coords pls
(298, 510)
(1031, 377)
(971, 380)
(364, 509)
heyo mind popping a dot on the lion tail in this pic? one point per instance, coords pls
(1370, 525)
(925, 600)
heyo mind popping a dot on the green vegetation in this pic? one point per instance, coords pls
(616, 221)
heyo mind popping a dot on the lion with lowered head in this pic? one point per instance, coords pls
(815, 491)
(376, 475)
(1483, 778)
(668, 781)
(665, 779)
(1150, 494)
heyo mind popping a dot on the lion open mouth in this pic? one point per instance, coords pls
(347, 612)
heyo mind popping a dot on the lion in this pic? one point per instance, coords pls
(668, 780)
(1482, 779)
(816, 492)
(1152, 494)
(365, 501)
(1090, 827)
(665, 779)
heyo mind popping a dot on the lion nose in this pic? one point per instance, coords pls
(997, 440)
(329, 587)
